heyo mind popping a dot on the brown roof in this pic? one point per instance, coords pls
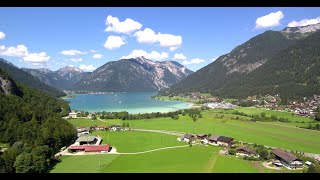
(284, 155)
(213, 138)
(201, 135)
(225, 139)
(246, 149)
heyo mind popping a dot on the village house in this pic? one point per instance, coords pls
(86, 139)
(288, 160)
(201, 136)
(187, 138)
(213, 140)
(90, 148)
(115, 127)
(73, 114)
(225, 141)
(245, 151)
(101, 128)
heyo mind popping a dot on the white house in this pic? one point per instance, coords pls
(73, 114)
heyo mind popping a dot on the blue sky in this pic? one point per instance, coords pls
(86, 38)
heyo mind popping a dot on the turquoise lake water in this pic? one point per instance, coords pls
(137, 102)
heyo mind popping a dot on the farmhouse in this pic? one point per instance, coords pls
(245, 151)
(213, 140)
(287, 159)
(225, 141)
(187, 138)
(86, 140)
(115, 127)
(201, 136)
(90, 148)
(73, 114)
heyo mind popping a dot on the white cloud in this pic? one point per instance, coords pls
(75, 60)
(72, 52)
(19, 51)
(2, 35)
(170, 41)
(93, 51)
(304, 22)
(193, 61)
(114, 42)
(87, 67)
(97, 56)
(147, 36)
(179, 56)
(127, 26)
(270, 20)
(154, 55)
(37, 57)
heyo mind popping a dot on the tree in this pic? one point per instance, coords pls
(317, 116)
(263, 153)
(127, 125)
(232, 151)
(200, 115)
(313, 168)
(194, 118)
(23, 163)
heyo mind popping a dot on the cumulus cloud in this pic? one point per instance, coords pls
(270, 20)
(87, 67)
(154, 55)
(18, 51)
(171, 41)
(179, 56)
(97, 56)
(127, 26)
(75, 60)
(72, 52)
(114, 42)
(303, 22)
(37, 57)
(147, 36)
(193, 61)
(2, 35)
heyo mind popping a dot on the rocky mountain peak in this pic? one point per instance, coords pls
(302, 29)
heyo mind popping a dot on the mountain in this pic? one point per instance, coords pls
(292, 73)
(136, 74)
(241, 62)
(7, 85)
(23, 77)
(62, 79)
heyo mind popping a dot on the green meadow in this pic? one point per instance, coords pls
(269, 134)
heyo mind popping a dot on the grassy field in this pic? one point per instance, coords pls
(269, 134)
(187, 159)
(137, 141)
(279, 114)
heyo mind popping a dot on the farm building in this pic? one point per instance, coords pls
(225, 141)
(115, 127)
(287, 159)
(187, 138)
(245, 151)
(90, 148)
(86, 139)
(213, 140)
(201, 136)
(73, 114)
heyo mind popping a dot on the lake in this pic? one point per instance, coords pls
(135, 102)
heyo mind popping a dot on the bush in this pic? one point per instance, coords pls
(232, 151)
